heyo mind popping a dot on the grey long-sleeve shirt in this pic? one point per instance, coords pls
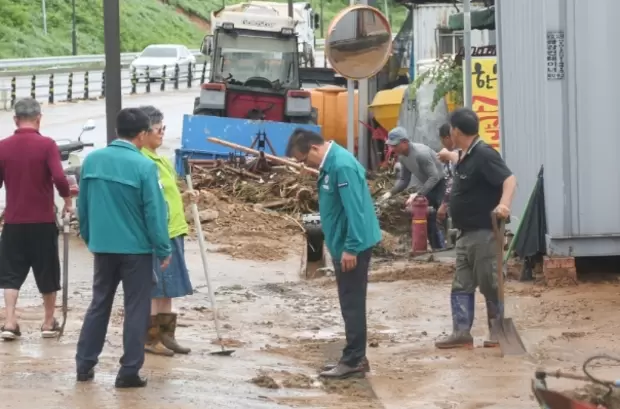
(423, 164)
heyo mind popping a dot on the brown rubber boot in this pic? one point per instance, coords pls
(458, 339)
(168, 326)
(153, 343)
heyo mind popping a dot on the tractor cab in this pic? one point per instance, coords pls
(254, 71)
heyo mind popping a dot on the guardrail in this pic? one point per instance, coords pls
(90, 85)
(72, 60)
(91, 59)
(53, 87)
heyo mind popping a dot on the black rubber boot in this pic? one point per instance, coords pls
(462, 305)
(492, 315)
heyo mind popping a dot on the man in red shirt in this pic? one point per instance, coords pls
(30, 166)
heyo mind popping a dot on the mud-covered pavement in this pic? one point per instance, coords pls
(284, 329)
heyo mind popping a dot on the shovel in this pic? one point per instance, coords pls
(65, 272)
(503, 329)
(203, 256)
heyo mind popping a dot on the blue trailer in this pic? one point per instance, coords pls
(197, 128)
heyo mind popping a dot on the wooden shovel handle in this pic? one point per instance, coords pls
(498, 230)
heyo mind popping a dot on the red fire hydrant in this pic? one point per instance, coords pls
(419, 236)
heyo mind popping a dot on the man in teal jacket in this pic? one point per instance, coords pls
(351, 230)
(123, 220)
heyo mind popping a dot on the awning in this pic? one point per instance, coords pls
(481, 19)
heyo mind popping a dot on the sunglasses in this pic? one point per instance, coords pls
(160, 130)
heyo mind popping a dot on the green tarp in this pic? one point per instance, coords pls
(481, 19)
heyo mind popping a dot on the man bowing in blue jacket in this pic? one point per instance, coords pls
(351, 230)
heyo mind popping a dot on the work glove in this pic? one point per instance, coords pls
(385, 197)
(409, 201)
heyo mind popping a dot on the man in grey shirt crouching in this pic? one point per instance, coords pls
(420, 161)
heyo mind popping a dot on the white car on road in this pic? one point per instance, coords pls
(156, 56)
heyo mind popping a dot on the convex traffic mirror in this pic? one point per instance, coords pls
(358, 42)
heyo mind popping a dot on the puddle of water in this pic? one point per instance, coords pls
(315, 335)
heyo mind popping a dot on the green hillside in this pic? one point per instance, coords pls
(143, 22)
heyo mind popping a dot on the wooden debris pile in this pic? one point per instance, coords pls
(282, 189)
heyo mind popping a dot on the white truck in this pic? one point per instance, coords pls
(305, 20)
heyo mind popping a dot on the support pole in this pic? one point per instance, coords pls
(351, 106)
(73, 29)
(44, 12)
(112, 37)
(290, 8)
(467, 92)
(351, 116)
(362, 116)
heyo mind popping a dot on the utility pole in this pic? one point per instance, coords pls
(322, 21)
(290, 8)
(44, 12)
(467, 46)
(74, 30)
(112, 38)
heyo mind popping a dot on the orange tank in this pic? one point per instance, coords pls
(331, 105)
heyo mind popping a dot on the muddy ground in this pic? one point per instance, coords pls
(284, 329)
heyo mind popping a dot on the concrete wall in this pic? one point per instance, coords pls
(568, 125)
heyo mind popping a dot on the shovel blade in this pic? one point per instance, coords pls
(224, 352)
(510, 343)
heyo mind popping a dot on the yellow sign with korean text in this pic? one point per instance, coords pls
(485, 98)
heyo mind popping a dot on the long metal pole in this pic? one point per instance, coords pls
(467, 45)
(351, 102)
(73, 30)
(412, 65)
(44, 12)
(362, 116)
(290, 8)
(112, 37)
(322, 21)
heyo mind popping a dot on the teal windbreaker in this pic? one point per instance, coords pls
(121, 206)
(347, 212)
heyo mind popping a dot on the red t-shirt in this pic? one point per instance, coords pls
(30, 166)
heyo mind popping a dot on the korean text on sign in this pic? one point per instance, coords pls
(484, 98)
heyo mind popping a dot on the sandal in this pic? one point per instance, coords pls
(50, 333)
(10, 334)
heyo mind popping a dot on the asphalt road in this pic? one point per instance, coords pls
(61, 84)
(65, 120)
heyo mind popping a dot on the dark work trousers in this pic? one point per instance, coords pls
(135, 271)
(433, 230)
(352, 287)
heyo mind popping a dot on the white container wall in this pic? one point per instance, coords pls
(559, 108)
(430, 41)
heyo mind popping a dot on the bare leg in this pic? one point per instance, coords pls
(154, 307)
(165, 305)
(10, 301)
(161, 306)
(49, 305)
